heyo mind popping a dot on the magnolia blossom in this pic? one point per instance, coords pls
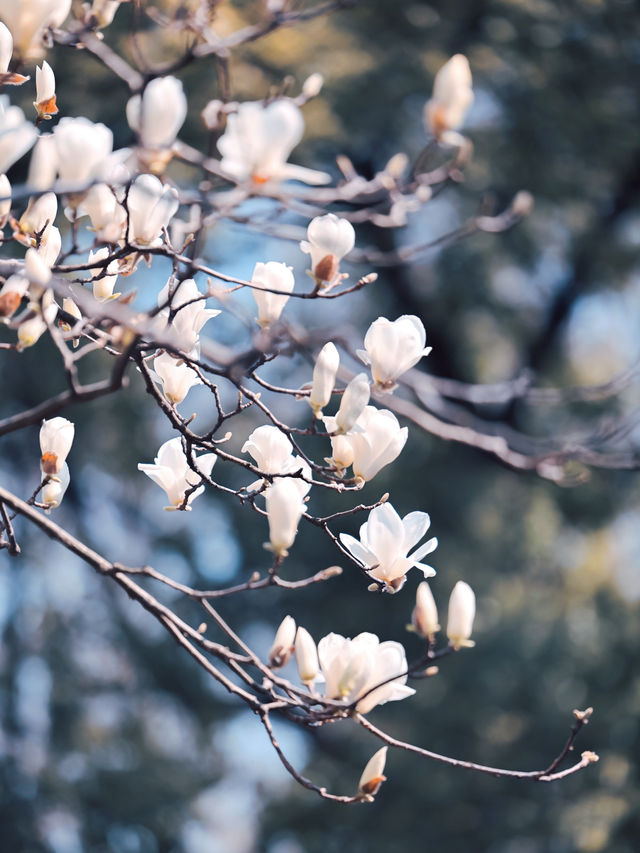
(40, 213)
(171, 471)
(31, 330)
(353, 668)
(151, 206)
(306, 656)
(391, 348)
(424, 618)
(272, 452)
(17, 135)
(11, 293)
(6, 52)
(104, 278)
(377, 442)
(452, 97)
(373, 774)
(45, 102)
(283, 643)
(5, 200)
(258, 141)
(158, 114)
(284, 510)
(324, 378)
(385, 542)
(37, 270)
(274, 276)
(176, 377)
(108, 216)
(50, 246)
(70, 308)
(189, 312)
(82, 148)
(353, 403)
(27, 20)
(53, 491)
(56, 438)
(330, 239)
(43, 164)
(462, 611)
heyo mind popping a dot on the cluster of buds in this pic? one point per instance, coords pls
(462, 611)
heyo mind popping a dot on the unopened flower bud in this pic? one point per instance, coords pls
(283, 644)
(45, 102)
(462, 610)
(373, 774)
(424, 618)
(312, 86)
(324, 377)
(56, 438)
(354, 401)
(306, 656)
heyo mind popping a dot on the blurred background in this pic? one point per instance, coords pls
(111, 739)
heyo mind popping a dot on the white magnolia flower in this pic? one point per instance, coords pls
(158, 114)
(56, 438)
(5, 200)
(352, 405)
(272, 452)
(284, 510)
(27, 20)
(37, 270)
(353, 668)
(373, 774)
(30, 331)
(377, 442)
(6, 48)
(385, 542)
(189, 312)
(171, 471)
(176, 377)
(151, 207)
(341, 450)
(45, 102)
(43, 165)
(452, 97)
(324, 378)
(424, 618)
(104, 280)
(306, 656)
(17, 135)
(53, 492)
(391, 348)
(258, 141)
(50, 246)
(330, 238)
(462, 611)
(41, 212)
(283, 643)
(11, 294)
(108, 216)
(275, 276)
(82, 148)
